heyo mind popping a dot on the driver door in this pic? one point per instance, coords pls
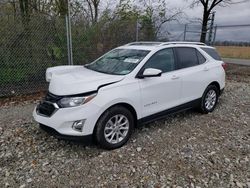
(163, 92)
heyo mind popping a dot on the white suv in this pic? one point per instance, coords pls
(132, 84)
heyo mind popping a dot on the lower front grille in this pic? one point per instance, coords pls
(46, 108)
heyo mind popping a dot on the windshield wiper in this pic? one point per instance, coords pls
(111, 73)
(119, 57)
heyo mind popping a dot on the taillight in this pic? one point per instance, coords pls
(224, 65)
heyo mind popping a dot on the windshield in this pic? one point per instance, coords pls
(118, 61)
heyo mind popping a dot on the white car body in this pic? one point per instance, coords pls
(147, 97)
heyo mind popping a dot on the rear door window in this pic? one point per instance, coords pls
(187, 57)
(212, 52)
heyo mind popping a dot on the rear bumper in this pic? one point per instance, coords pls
(53, 132)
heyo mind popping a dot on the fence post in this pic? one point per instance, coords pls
(185, 30)
(69, 35)
(137, 31)
(215, 31)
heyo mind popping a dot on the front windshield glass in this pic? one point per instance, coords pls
(118, 61)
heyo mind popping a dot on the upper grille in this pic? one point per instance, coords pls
(47, 106)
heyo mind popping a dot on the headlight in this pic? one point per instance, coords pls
(75, 101)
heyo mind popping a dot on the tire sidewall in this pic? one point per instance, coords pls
(203, 107)
(100, 126)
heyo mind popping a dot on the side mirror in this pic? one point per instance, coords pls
(150, 72)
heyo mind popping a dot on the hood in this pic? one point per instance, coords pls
(71, 80)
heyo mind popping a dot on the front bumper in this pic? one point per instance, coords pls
(62, 120)
(53, 132)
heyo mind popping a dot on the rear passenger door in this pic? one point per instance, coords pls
(193, 71)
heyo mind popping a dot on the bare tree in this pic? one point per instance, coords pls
(93, 6)
(208, 6)
(157, 13)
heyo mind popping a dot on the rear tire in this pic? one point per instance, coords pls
(114, 127)
(209, 99)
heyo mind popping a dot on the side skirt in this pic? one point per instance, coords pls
(174, 110)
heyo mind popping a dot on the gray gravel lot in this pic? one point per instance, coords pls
(185, 150)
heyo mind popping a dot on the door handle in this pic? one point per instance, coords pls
(174, 77)
(205, 69)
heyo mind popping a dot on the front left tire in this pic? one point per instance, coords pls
(114, 127)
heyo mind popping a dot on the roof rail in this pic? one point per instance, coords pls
(179, 42)
(149, 43)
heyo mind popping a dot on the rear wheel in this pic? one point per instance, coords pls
(114, 127)
(209, 99)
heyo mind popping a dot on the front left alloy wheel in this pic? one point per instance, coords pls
(114, 127)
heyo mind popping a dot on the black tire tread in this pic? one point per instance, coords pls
(202, 108)
(99, 136)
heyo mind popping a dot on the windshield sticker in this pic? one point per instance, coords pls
(125, 72)
(131, 60)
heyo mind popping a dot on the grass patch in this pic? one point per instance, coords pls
(237, 52)
(10, 75)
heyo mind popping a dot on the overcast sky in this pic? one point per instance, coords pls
(231, 15)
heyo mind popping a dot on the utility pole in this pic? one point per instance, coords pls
(69, 35)
(211, 29)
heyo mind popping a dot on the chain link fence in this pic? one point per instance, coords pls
(29, 47)
(235, 35)
(238, 35)
(90, 43)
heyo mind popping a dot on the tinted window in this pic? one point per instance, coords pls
(186, 57)
(201, 58)
(212, 53)
(163, 60)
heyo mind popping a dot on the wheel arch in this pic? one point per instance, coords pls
(123, 104)
(215, 83)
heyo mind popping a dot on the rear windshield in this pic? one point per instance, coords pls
(212, 53)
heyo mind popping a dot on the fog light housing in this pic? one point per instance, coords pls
(78, 125)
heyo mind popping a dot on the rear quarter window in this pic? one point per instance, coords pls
(201, 58)
(212, 52)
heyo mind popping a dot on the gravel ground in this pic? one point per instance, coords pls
(185, 150)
